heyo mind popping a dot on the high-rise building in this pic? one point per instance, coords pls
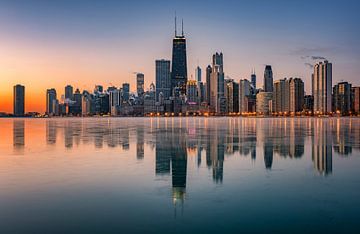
(281, 96)
(198, 74)
(217, 84)
(268, 79)
(296, 93)
(322, 87)
(264, 103)
(69, 92)
(288, 95)
(253, 81)
(163, 78)
(356, 100)
(19, 100)
(208, 83)
(76, 107)
(229, 95)
(244, 92)
(342, 98)
(191, 91)
(50, 98)
(201, 92)
(86, 104)
(115, 102)
(179, 62)
(140, 84)
(126, 91)
(235, 97)
(232, 96)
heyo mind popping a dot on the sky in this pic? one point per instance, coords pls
(49, 44)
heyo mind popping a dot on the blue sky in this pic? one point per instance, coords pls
(114, 38)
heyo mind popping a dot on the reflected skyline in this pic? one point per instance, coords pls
(172, 171)
(212, 144)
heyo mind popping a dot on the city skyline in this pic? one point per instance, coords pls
(53, 54)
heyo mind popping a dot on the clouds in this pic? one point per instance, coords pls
(309, 60)
(309, 65)
(312, 57)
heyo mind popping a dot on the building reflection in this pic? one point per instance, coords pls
(207, 142)
(171, 155)
(342, 141)
(140, 143)
(51, 132)
(19, 135)
(321, 147)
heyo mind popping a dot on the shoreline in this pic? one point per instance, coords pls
(190, 116)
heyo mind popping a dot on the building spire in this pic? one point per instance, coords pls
(175, 26)
(182, 27)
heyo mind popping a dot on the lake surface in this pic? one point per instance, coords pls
(180, 175)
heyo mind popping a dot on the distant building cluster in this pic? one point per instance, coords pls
(173, 94)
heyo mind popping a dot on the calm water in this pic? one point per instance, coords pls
(179, 175)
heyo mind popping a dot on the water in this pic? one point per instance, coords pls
(179, 175)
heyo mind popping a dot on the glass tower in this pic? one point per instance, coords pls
(179, 63)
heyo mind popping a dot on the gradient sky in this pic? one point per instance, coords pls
(45, 44)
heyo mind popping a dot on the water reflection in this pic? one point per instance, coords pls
(19, 135)
(210, 141)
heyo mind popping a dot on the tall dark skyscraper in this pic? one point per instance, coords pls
(19, 100)
(208, 83)
(78, 103)
(198, 74)
(50, 99)
(179, 63)
(217, 83)
(69, 92)
(126, 91)
(268, 79)
(342, 98)
(140, 84)
(253, 80)
(163, 79)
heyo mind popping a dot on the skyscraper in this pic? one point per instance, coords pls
(78, 103)
(115, 102)
(342, 98)
(126, 91)
(179, 62)
(268, 79)
(19, 100)
(281, 96)
(198, 74)
(191, 91)
(163, 79)
(356, 99)
(288, 95)
(208, 83)
(140, 84)
(253, 80)
(296, 93)
(69, 92)
(217, 83)
(50, 98)
(322, 85)
(229, 95)
(244, 92)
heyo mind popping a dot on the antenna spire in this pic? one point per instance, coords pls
(182, 27)
(175, 26)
